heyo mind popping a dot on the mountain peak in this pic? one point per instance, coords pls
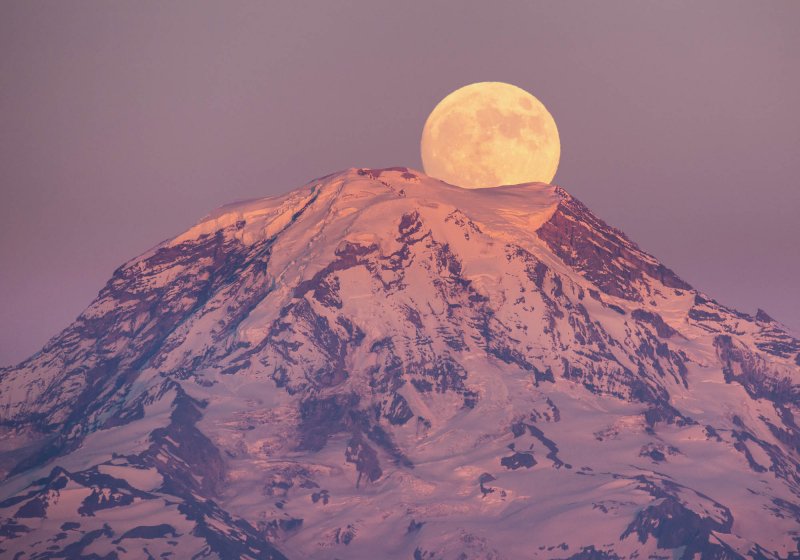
(379, 364)
(355, 189)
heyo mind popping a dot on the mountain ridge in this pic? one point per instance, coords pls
(290, 365)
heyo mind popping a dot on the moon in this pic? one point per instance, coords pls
(489, 134)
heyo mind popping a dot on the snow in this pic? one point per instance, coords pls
(547, 510)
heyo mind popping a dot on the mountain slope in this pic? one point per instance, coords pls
(382, 365)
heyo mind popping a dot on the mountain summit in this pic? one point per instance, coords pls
(381, 365)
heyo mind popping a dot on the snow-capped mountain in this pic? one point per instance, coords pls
(381, 365)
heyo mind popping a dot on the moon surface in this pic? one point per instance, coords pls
(489, 134)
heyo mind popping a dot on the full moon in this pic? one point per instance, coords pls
(490, 134)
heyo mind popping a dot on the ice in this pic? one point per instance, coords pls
(364, 286)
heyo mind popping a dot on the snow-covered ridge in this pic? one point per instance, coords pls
(378, 364)
(509, 208)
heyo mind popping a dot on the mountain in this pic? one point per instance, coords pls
(381, 365)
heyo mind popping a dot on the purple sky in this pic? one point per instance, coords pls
(122, 123)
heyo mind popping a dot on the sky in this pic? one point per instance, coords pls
(123, 123)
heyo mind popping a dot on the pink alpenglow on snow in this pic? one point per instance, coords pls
(382, 365)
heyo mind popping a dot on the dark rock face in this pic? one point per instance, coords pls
(484, 479)
(675, 526)
(345, 536)
(518, 460)
(762, 316)
(365, 459)
(323, 418)
(753, 373)
(601, 253)
(398, 411)
(550, 445)
(662, 329)
(197, 456)
(590, 553)
(149, 532)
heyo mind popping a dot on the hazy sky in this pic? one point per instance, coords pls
(122, 123)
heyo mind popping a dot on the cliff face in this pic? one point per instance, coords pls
(382, 365)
